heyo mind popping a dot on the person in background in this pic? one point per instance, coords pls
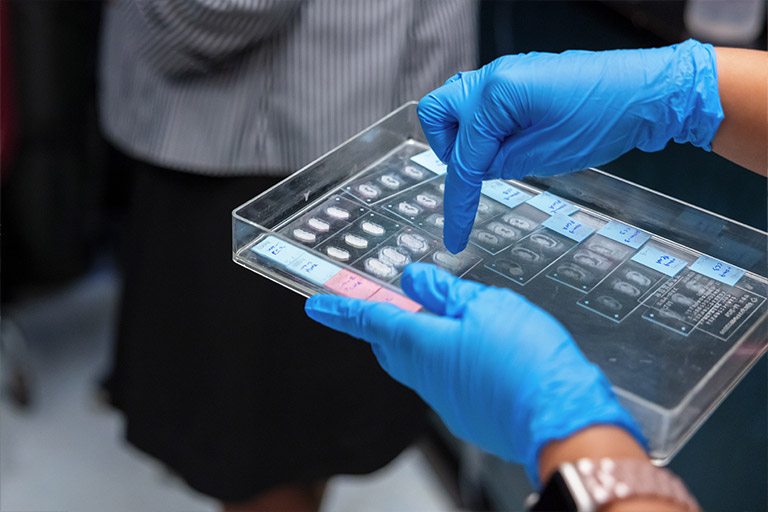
(211, 102)
(500, 371)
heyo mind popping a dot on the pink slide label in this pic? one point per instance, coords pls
(385, 295)
(352, 285)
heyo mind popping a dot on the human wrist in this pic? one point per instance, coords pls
(594, 441)
(604, 468)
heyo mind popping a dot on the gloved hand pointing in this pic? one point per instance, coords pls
(542, 114)
(498, 370)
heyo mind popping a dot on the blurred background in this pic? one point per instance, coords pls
(63, 202)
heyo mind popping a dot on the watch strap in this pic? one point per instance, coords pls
(592, 483)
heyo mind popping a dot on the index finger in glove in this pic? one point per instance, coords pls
(459, 207)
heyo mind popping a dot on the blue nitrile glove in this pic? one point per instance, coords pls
(542, 114)
(498, 370)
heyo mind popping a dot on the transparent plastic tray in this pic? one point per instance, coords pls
(668, 299)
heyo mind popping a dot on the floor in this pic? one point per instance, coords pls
(65, 452)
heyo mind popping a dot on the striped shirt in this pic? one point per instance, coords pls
(235, 87)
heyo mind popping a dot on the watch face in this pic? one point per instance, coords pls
(555, 496)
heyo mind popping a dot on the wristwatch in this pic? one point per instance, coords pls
(588, 484)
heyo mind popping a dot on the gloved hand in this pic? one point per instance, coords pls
(498, 370)
(542, 114)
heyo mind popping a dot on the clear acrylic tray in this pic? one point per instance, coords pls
(668, 299)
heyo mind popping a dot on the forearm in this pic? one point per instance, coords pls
(600, 441)
(742, 137)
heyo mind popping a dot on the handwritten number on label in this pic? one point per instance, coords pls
(666, 261)
(719, 266)
(351, 284)
(571, 226)
(630, 237)
(557, 205)
(510, 193)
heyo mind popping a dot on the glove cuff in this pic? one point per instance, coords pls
(595, 405)
(697, 104)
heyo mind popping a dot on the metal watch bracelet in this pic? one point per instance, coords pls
(594, 483)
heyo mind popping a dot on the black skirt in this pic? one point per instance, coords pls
(220, 373)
